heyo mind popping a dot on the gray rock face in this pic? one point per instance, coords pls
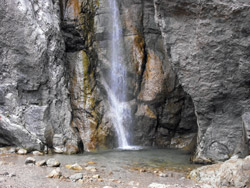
(157, 100)
(207, 44)
(34, 103)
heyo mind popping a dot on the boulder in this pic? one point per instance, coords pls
(231, 173)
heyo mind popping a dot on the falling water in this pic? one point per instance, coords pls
(121, 114)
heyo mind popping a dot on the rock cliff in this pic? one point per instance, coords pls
(35, 108)
(208, 46)
(187, 64)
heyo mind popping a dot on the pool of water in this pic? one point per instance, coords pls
(171, 159)
(150, 159)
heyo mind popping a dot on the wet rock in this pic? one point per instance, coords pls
(157, 185)
(231, 173)
(37, 153)
(74, 167)
(53, 162)
(56, 173)
(41, 163)
(76, 177)
(22, 152)
(30, 160)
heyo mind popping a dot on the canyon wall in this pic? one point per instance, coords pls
(187, 64)
(35, 108)
(208, 46)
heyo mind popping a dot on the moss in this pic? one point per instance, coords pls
(86, 20)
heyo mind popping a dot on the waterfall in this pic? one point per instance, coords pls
(121, 113)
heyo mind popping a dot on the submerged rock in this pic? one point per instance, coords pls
(53, 162)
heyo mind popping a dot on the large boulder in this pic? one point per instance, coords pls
(232, 173)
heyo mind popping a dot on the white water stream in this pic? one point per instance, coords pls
(121, 113)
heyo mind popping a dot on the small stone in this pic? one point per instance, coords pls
(92, 163)
(76, 177)
(55, 173)
(3, 163)
(12, 175)
(80, 181)
(96, 176)
(110, 173)
(163, 175)
(12, 150)
(5, 174)
(41, 163)
(53, 162)
(30, 160)
(91, 168)
(107, 187)
(182, 178)
(131, 183)
(74, 167)
(142, 170)
(157, 185)
(101, 180)
(22, 152)
(37, 153)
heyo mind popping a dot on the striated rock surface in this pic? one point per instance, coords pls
(35, 108)
(207, 43)
(155, 96)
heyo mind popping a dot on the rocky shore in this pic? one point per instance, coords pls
(38, 170)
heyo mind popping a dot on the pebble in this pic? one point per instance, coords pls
(91, 168)
(53, 162)
(76, 177)
(56, 173)
(74, 167)
(107, 187)
(96, 176)
(41, 163)
(22, 151)
(37, 153)
(92, 163)
(163, 175)
(30, 160)
(157, 185)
